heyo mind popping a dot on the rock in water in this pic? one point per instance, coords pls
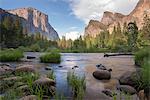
(101, 67)
(102, 74)
(31, 57)
(25, 68)
(127, 89)
(48, 68)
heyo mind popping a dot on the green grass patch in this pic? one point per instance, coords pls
(78, 85)
(10, 55)
(51, 58)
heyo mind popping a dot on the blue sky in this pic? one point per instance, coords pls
(69, 17)
(59, 12)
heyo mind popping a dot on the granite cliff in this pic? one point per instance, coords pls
(110, 19)
(33, 21)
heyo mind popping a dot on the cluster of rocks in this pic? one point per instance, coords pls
(127, 83)
(9, 78)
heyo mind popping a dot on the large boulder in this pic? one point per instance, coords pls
(48, 85)
(102, 74)
(130, 78)
(127, 89)
(25, 68)
(43, 81)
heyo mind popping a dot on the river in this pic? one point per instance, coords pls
(86, 63)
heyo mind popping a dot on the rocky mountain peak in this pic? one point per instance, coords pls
(111, 19)
(36, 22)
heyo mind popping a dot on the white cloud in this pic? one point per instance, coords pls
(73, 28)
(72, 35)
(93, 9)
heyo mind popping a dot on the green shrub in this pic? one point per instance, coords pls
(35, 48)
(10, 55)
(146, 73)
(51, 58)
(141, 55)
(51, 75)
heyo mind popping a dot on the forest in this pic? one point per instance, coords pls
(126, 38)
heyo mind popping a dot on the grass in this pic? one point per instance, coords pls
(141, 55)
(10, 55)
(51, 58)
(78, 85)
(142, 58)
(51, 75)
(14, 93)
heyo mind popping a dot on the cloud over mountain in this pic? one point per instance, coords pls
(93, 9)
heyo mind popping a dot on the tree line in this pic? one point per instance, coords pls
(124, 38)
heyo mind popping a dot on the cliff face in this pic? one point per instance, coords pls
(110, 19)
(94, 27)
(35, 21)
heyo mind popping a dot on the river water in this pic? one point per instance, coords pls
(86, 63)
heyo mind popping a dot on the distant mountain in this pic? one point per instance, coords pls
(109, 19)
(33, 21)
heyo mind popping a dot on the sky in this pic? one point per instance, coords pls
(70, 17)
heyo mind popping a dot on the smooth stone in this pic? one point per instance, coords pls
(102, 74)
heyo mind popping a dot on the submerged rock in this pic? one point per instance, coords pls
(102, 74)
(127, 89)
